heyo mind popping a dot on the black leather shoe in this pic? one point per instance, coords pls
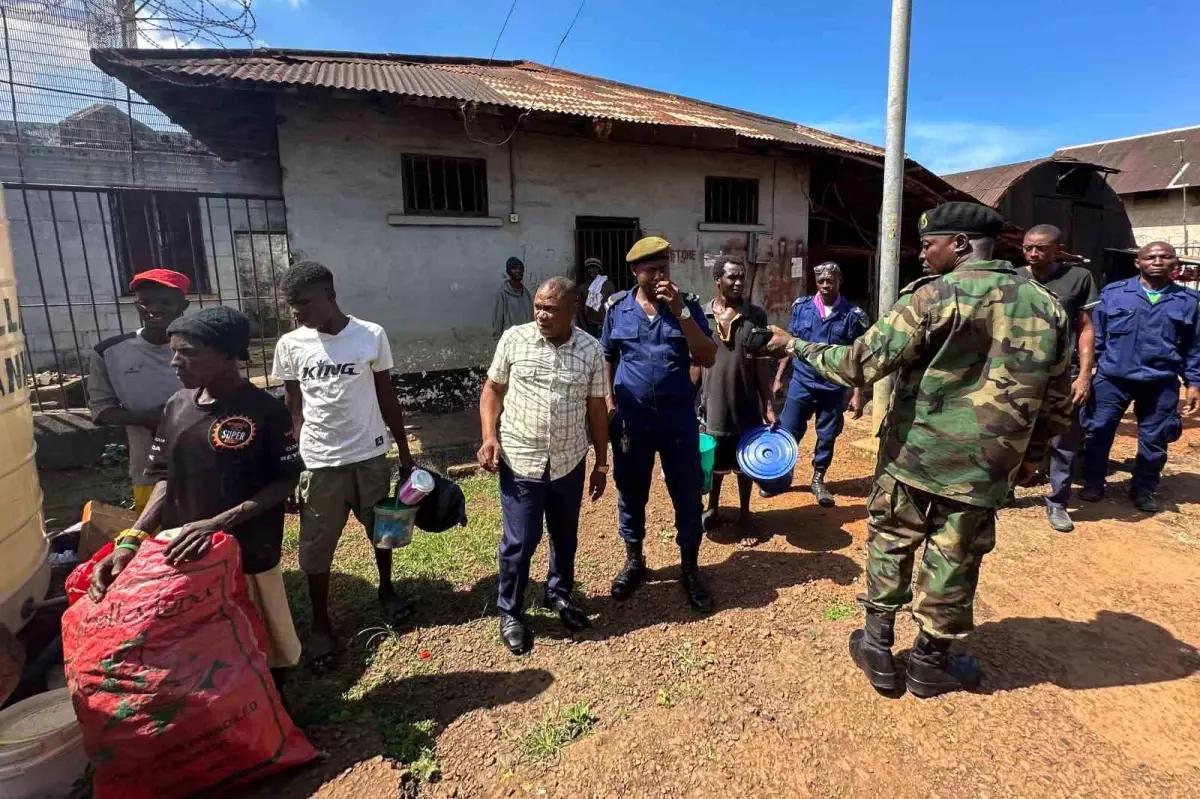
(1059, 519)
(693, 583)
(824, 498)
(632, 574)
(1145, 501)
(932, 671)
(515, 634)
(573, 617)
(1091, 493)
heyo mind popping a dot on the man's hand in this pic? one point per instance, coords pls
(597, 484)
(106, 572)
(669, 293)
(1026, 473)
(404, 469)
(611, 404)
(856, 403)
(489, 455)
(776, 387)
(1081, 389)
(1193, 401)
(192, 543)
(769, 415)
(780, 343)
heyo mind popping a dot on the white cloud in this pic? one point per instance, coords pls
(949, 146)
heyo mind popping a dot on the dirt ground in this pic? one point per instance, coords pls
(1087, 640)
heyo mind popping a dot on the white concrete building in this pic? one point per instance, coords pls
(415, 178)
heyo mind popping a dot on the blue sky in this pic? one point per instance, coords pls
(992, 81)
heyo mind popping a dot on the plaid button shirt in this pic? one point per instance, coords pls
(544, 421)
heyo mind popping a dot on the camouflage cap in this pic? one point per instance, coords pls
(648, 249)
(972, 219)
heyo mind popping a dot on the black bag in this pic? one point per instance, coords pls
(443, 508)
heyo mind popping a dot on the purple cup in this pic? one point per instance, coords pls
(418, 486)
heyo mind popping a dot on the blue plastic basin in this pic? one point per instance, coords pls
(768, 457)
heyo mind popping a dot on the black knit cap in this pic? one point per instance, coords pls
(973, 219)
(219, 327)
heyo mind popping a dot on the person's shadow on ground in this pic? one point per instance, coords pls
(1114, 649)
(807, 527)
(397, 719)
(748, 579)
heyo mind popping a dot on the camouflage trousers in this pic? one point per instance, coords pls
(956, 537)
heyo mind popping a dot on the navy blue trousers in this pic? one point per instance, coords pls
(524, 504)
(827, 405)
(1156, 406)
(675, 436)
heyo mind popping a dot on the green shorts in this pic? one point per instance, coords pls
(327, 498)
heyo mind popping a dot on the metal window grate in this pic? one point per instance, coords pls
(159, 229)
(731, 201)
(444, 186)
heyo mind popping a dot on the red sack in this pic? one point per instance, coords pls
(170, 681)
(80, 579)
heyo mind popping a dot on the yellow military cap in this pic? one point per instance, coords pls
(648, 248)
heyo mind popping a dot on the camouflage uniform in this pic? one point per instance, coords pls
(983, 383)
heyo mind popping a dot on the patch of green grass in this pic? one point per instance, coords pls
(545, 741)
(405, 741)
(837, 610)
(813, 632)
(690, 659)
(462, 553)
(664, 698)
(666, 535)
(426, 767)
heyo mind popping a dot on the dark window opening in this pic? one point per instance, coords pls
(444, 186)
(1074, 181)
(731, 201)
(157, 229)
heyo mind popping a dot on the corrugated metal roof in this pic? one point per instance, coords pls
(988, 185)
(516, 84)
(1151, 162)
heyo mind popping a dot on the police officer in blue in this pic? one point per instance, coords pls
(652, 335)
(828, 318)
(1147, 337)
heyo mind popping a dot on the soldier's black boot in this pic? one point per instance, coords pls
(632, 574)
(871, 650)
(932, 670)
(693, 582)
(824, 498)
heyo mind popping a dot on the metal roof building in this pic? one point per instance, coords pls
(1072, 194)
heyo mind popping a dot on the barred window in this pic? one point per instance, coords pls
(731, 201)
(444, 186)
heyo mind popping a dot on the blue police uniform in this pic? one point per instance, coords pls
(809, 393)
(1142, 349)
(655, 413)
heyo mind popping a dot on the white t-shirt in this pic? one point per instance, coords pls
(342, 422)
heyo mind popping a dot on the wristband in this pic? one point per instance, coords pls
(127, 545)
(132, 533)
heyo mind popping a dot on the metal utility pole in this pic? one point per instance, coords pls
(893, 183)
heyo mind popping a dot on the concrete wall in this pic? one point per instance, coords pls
(101, 166)
(433, 286)
(1161, 218)
(80, 298)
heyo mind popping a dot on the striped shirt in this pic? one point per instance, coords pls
(544, 421)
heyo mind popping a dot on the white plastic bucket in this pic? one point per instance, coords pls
(393, 524)
(41, 747)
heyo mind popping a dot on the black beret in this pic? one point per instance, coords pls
(972, 219)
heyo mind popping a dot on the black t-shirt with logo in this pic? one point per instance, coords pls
(219, 454)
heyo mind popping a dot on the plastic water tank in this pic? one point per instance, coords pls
(24, 571)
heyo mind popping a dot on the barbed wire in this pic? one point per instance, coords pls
(153, 23)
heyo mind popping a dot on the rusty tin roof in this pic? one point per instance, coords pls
(522, 85)
(1169, 159)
